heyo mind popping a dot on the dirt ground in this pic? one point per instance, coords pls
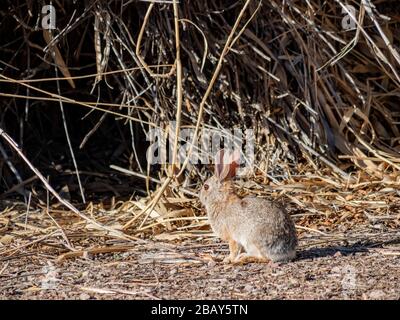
(354, 267)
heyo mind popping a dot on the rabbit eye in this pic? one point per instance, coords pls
(206, 186)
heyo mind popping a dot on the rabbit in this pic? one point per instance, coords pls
(260, 227)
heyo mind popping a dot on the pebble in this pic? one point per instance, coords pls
(84, 296)
(211, 263)
(376, 294)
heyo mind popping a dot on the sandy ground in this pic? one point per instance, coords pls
(193, 269)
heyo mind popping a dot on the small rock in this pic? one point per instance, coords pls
(211, 263)
(376, 294)
(309, 277)
(337, 254)
(126, 255)
(84, 296)
(248, 288)
(7, 239)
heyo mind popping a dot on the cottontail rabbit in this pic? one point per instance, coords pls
(263, 229)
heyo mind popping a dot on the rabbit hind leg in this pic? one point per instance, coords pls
(252, 255)
(234, 251)
(245, 258)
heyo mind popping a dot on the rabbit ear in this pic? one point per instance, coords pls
(219, 163)
(230, 162)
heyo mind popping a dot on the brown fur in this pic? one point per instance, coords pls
(262, 228)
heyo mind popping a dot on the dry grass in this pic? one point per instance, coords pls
(323, 101)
